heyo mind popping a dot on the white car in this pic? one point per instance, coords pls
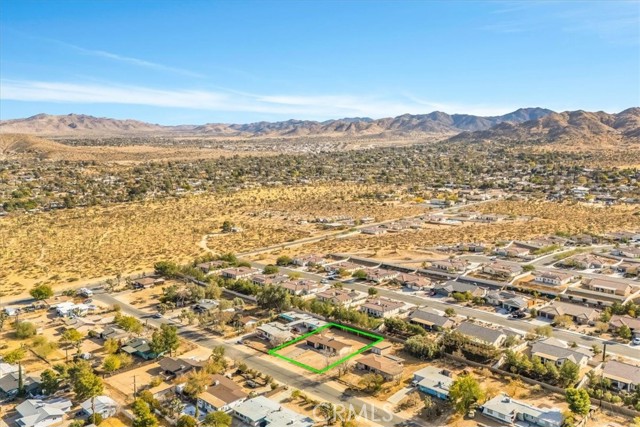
(636, 341)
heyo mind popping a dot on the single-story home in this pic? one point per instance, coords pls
(175, 367)
(558, 352)
(430, 319)
(42, 413)
(139, 347)
(450, 287)
(328, 344)
(9, 384)
(222, 395)
(623, 376)
(261, 411)
(481, 334)
(104, 405)
(579, 314)
(554, 278)
(505, 409)
(433, 381)
(274, 332)
(239, 272)
(381, 307)
(633, 323)
(388, 367)
(503, 269)
(608, 286)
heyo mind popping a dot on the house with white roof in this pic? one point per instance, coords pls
(505, 409)
(104, 406)
(433, 381)
(42, 413)
(263, 412)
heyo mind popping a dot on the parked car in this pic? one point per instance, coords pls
(157, 316)
(636, 341)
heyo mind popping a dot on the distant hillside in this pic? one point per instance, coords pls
(78, 125)
(571, 127)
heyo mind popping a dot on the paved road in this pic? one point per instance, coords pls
(486, 316)
(312, 383)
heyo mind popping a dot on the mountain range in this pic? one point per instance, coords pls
(434, 123)
(525, 125)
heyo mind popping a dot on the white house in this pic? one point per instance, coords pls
(42, 413)
(506, 409)
(104, 406)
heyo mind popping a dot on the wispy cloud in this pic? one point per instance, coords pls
(313, 106)
(126, 59)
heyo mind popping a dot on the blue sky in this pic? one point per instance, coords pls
(188, 61)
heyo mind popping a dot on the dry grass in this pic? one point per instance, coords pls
(548, 218)
(65, 246)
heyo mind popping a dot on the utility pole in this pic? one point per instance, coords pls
(604, 360)
(134, 387)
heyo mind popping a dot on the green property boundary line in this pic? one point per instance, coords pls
(376, 339)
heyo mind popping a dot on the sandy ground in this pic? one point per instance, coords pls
(63, 248)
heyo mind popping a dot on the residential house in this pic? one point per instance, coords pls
(104, 406)
(206, 267)
(113, 332)
(510, 301)
(430, 319)
(381, 307)
(505, 409)
(579, 314)
(381, 275)
(9, 384)
(302, 287)
(42, 413)
(274, 332)
(608, 286)
(481, 335)
(433, 381)
(261, 411)
(247, 322)
(342, 297)
(7, 368)
(587, 261)
(623, 376)
(450, 287)
(554, 278)
(503, 269)
(222, 395)
(558, 352)
(239, 273)
(632, 323)
(301, 322)
(626, 252)
(346, 266)
(174, 367)
(140, 347)
(269, 279)
(388, 367)
(146, 282)
(329, 345)
(373, 231)
(414, 282)
(382, 348)
(310, 261)
(450, 265)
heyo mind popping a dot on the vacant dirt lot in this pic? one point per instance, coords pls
(66, 246)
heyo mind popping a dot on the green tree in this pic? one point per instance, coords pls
(569, 372)
(111, 345)
(111, 363)
(50, 381)
(165, 339)
(86, 384)
(217, 419)
(270, 269)
(284, 260)
(129, 324)
(25, 330)
(578, 400)
(72, 337)
(543, 331)
(274, 298)
(372, 383)
(624, 332)
(372, 292)
(227, 226)
(449, 312)
(41, 292)
(187, 421)
(143, 415)
(359, 274)
(464, 392)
